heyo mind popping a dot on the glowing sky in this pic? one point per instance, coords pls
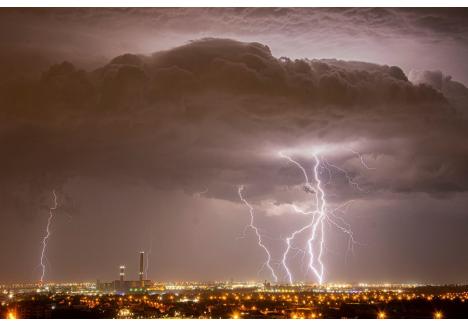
(158, 115)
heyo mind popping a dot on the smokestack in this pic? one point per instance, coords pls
(142, 253)
(122, 273)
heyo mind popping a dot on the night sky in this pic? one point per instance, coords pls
(146, 121)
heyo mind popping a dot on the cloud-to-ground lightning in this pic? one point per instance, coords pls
(321, 214)
(316, 223)
(47, 235)
(252, 226)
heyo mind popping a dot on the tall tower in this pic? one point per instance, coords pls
(122, 273)
(142, 254)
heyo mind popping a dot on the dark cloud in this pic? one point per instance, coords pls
(189, 124)
(455, 91)
(396, 36)
(213, 100)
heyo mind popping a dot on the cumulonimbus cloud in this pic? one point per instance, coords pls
(214, 112)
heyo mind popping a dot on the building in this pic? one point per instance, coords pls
(126, 286)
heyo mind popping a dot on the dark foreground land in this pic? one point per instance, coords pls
(418, 302)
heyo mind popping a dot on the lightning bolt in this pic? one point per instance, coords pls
(257, 233)
(47, 235)
(317, 216)
(321, 214)
(349, 178)
(346, 174)
(361, 158)
(317, 223)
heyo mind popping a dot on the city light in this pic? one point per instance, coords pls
(124, 313)
(240, 300)
(11, 315)
(381, 315)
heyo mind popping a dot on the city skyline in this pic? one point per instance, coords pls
(234, 143)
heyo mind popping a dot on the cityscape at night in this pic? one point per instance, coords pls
(233, 162)
(235, 300)
(146, 299)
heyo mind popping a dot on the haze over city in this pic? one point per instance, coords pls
(162, 130)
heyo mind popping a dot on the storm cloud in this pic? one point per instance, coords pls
(192, 122)
(216, 110)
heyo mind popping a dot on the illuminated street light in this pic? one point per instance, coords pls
(381, 315)
(11, 315)
(235, 315)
